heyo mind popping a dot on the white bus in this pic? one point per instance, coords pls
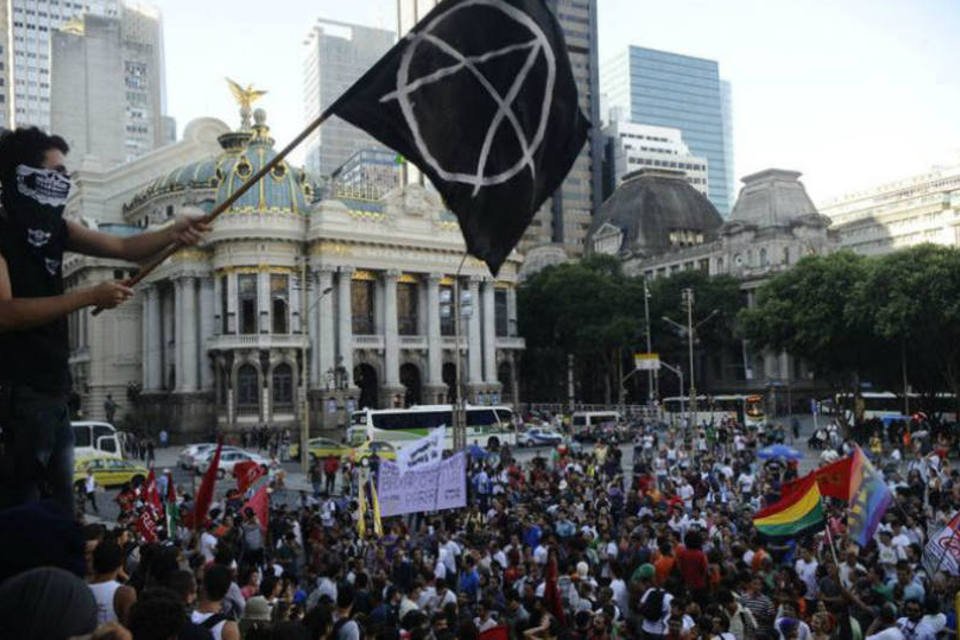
(582, 420)
(745, 409)
(484, 424)
(885, 405)
(96, 440)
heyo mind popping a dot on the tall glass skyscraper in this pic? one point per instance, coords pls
(672, 90)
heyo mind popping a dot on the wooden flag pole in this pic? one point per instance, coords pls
(226, 204)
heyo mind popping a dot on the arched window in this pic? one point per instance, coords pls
(763, 257)
(248, 389)
(283, 386)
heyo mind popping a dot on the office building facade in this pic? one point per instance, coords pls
(631, 147)
(904, 213)
(335, 55)
(565, 218)
(673, 90)
(25, 36)
(107, 85)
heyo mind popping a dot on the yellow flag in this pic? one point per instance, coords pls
(375, 503)
(362, 512)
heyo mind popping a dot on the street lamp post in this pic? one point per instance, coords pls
(646, 318)
(688, 300)
(690, 330)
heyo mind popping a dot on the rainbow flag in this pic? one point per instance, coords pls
(362, 512)
(798, 513)
(869, 499)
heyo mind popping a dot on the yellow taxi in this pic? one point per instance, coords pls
(384, 451)
(110, 472)
(320, 448)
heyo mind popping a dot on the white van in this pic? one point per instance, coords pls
(586, 420)
(96, 440)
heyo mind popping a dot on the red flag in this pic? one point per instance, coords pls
(501, 632)
(551, 593)
(833, 479)
(260, 503)
(151, 496)
(147, 526)
(246, 473)
(204, 495)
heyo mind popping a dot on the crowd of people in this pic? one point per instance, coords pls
(648, 540)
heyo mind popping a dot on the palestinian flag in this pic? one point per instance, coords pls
(171, 509)
(799, 513)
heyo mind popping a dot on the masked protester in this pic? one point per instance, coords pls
(37, 458)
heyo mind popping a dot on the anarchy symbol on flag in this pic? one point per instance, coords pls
(505, 115)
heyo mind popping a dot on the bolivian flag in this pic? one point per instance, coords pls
(798, 513)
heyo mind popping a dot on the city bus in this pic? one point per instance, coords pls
(882, 405)
(485, 425)
(745, 409)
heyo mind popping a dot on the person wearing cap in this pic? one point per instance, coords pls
(257, 616)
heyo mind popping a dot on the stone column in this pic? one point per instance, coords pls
(434, 341)
(326, 340)
(178, 332)
(391, 337)
(345, 321)
(233, 322)
(208, 329)
(512, 311)
(151, 329)
(187, 333)
(474, 344)
(293, 299)
(218, 310)
(263, 302)
(489, 333)
(313, 327)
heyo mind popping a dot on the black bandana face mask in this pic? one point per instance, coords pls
(35, 207)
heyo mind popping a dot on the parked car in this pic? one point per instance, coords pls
(320, 448)
(191, 457)
(384, 451)
(229, 459)
(110, 472)
(538, 437)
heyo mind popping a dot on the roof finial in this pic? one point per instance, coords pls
(245, 97)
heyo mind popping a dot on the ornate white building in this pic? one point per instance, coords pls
(340, 300)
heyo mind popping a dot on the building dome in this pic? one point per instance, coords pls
(650, 213)
(244, 153)
(283, 189)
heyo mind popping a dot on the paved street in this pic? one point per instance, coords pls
(295, 480)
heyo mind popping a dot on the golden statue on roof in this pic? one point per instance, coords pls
(245, 97)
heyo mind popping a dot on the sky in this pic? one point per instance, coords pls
(851, 93)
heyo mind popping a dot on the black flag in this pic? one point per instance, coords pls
(480, 96)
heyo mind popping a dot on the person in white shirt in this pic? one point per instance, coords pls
(746, 482)
(806, 567)
(208, 544)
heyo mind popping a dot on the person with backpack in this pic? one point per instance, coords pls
(654, 606)
(209, 613)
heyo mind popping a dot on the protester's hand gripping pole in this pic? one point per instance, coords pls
(226, 204)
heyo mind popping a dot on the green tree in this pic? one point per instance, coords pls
(810, 312)
(586, 309)
(912, 299)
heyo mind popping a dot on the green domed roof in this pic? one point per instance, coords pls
(245, 152)
(283, 189)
